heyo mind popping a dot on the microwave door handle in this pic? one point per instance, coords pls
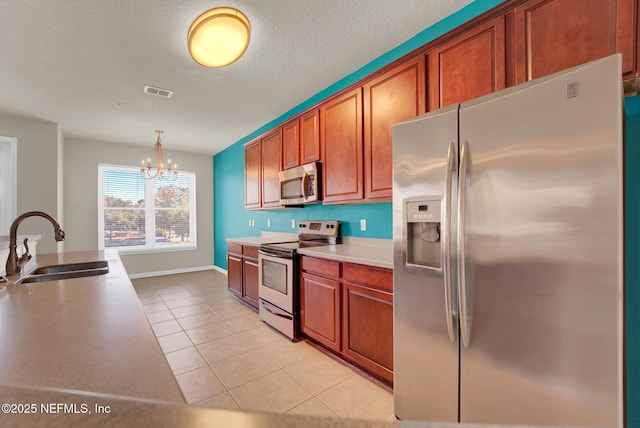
(303, 183)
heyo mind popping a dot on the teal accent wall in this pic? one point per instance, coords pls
(632, 260)
(231, 220)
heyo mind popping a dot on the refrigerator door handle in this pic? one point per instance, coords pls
(449, 294)
(465, 319)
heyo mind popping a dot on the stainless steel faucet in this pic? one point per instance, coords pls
(15, 263)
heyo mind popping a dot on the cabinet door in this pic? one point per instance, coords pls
(393, 97)
(250, 292)
(291, 144)
(271, 158)
(470, 65)
(367, 328)
(627, 36)
(553, 35)
(320, 309)
(341, 141)
(310, 137)
(252, 175)
(234, 274)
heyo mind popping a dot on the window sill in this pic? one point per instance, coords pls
(130, 251)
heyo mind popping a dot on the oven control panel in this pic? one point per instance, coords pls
(319, 227)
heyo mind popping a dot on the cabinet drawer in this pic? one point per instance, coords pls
(368, 275)
(234, 248)
(321, 266)
(250, 251)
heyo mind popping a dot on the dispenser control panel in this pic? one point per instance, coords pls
(423, 211)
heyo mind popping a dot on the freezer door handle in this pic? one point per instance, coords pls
(465, 319)
(449, 293)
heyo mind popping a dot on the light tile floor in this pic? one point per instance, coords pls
(223, 356)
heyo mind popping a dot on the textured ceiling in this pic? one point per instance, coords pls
(83, 63)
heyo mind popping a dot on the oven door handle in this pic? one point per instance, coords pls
(274, 310)
(280, 255)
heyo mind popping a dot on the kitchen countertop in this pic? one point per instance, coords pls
(265, 238)
(366, 251)
(123, 412)
(86, 334)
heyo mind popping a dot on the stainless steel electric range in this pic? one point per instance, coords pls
(279, 274)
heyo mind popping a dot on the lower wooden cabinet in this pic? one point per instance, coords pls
(367, 328)
(320, 309)
(242, 272)
(250, 275)
(234, 269)
(348, 308)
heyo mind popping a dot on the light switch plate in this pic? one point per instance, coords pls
(363, 224)
(293, 223)
(268, 222)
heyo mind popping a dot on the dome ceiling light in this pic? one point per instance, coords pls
(219, 37)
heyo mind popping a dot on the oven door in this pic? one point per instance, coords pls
(276, 281)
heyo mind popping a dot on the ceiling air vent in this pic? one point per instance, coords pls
(157, 91)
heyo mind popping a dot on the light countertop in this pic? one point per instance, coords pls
(265, 238)
(366, 251)
(86, 334)
(97, 410)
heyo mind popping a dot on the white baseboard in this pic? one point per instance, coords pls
(174, 271)
(219, 269)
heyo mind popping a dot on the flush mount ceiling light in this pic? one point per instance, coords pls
(219, 37)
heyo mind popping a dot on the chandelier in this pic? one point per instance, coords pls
(171, 173)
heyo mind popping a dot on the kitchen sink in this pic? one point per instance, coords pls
(65, 271)
(71, 267)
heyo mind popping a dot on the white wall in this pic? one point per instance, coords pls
(81, 159)
(37, 146)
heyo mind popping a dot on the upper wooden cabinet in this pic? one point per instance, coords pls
(271, 166)
(553, 35)
(262, 164)
(393, 97)
(468, 66)
(291, 144)
(252, 175)
(341, 143)
(301, 140)
(516, 41)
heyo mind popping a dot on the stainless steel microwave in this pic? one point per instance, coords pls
(301, 185)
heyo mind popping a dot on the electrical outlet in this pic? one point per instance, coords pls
(268, 222)
(363, 224)
(293, 223)
(249, 222)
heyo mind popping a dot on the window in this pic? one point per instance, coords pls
(8, 180)
(137, 213)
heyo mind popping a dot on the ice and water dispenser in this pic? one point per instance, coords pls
(423, 232)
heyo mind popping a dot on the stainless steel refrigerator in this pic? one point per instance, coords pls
(508, 255)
